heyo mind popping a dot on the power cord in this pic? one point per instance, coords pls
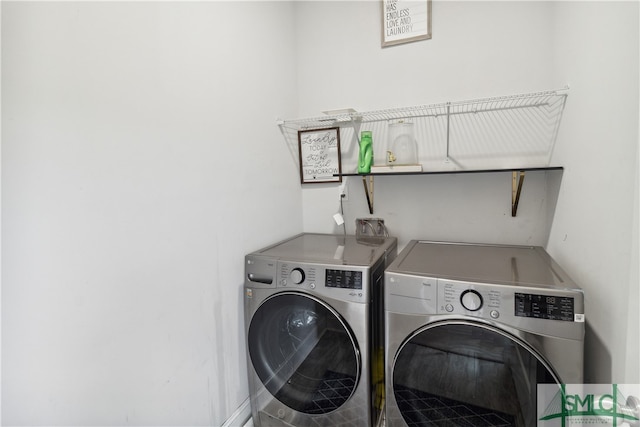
(344, 224)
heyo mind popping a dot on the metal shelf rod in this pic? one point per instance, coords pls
(517, 180)
(459, 171)
(476, 105)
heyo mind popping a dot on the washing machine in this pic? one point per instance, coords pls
(313, 334)
(472, 329)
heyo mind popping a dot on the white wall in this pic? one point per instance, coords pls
(592, 234)
(632, 367)
(478, 49)
(140, 162)
(483, 49)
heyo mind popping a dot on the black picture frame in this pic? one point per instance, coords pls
(320, 157)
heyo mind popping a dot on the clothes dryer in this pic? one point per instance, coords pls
(312, 303)
(471, 330)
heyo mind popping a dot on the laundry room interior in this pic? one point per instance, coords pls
(144, 156)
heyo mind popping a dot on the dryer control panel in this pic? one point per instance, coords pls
(527, 308)
(468, 298)
(545, 306)
(506, 303)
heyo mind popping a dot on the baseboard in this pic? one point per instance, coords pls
(240, 417)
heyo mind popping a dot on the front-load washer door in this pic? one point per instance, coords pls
(304, 353)
(467, 374)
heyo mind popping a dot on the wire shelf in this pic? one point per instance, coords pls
(514, 131)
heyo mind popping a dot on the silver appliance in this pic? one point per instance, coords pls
(312, 307)
(472, 329)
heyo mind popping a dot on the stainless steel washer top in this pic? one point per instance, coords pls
(329, 249)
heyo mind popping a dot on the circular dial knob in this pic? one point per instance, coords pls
(297, 275)
(471, 300)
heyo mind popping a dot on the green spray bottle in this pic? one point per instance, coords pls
(365, 156)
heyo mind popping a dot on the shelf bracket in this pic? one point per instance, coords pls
(368, 191)
(517, 178)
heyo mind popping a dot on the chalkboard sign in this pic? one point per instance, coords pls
(319, 155)
(405, 21)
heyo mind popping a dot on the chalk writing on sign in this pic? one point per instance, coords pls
(405, 20)
(319, 155)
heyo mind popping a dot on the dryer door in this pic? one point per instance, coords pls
(304, 353)
(464, 373)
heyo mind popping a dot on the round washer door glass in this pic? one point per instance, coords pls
(304, 353)
(467, 374)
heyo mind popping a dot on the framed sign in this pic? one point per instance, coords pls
(405, 21)
(319, 155)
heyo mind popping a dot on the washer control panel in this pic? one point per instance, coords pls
(346, 283)
(346, 279)
(297, 276)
